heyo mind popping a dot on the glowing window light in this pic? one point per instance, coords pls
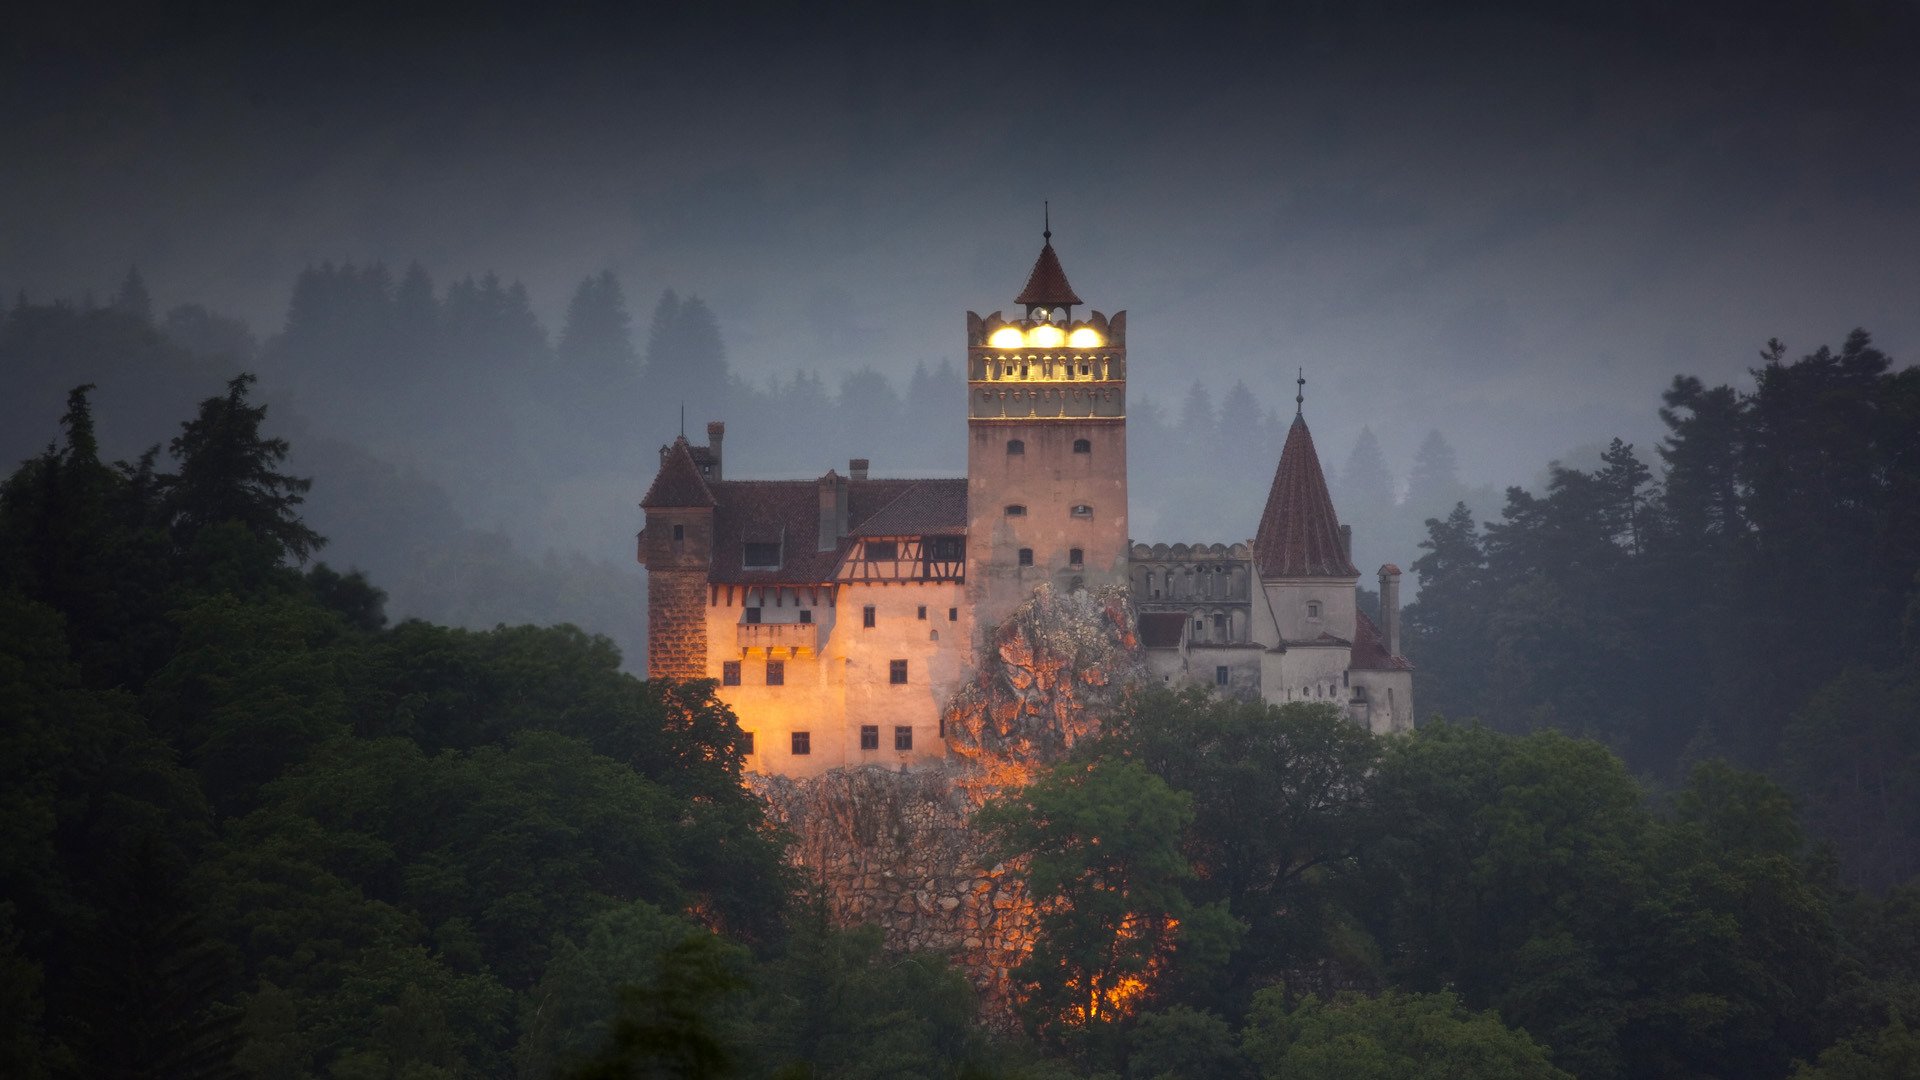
(1085, 337)
(1046, 336)
(1007, 337)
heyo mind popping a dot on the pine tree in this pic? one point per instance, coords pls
(132, 298)
(227, 474)
(596, 345)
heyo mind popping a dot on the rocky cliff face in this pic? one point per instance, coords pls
(897, 848)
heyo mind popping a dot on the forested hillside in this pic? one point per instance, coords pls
(1748, 589)
(253, 829)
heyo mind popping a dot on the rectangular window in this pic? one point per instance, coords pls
(776, 673)
(944, 548)
(1026, 556)
(869, 736)
(760, 555)
(897, 672)
(806, 615)
(1076, 556)
(802, 742)
(902, 737)
(866, 616)
(883, 550)
(953, 614)
(730, 673)
(923, 611)
(1220, 676)
(753, 616)
(746, 742)
(679, 532)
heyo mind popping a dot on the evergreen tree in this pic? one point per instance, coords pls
(228, 474)
(132, 299)
(596, 345)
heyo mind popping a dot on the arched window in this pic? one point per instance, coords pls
(1016, 446)
(1083, 446)
(1016, 510)
(1219, 626)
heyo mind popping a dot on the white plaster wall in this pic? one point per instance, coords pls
(1289, 597)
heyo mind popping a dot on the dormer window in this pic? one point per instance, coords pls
(761, 556)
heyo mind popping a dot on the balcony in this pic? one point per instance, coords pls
(779, 635)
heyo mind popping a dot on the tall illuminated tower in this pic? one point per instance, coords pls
(1046, 446)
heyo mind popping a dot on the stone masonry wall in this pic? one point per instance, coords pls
(897, 848)
(677, 624)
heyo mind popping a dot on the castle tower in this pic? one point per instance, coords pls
(677, 549)
(1046, 446)
(1301, 554)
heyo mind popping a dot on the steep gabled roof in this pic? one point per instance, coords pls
(678, 484)
(928, 508)
(1299, 533)
(1047, 284)
(1370, 650)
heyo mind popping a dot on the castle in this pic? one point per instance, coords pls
(838, 615)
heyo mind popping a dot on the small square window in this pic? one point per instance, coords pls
(776, 673)
(802, 742)
(806, 615)
(1221, 676)
(897, 672)
(1026, 556)
(1313, 609)
(1076, 556)
(923, 611)
(753, 616)
(902, 737)
(866, 616)
(1016, 446)
(730, 673)
(1083, 446)
(679, 532)
(869, 736)
(746, 742)
(953, 614)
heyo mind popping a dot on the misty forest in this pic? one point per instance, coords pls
(340, 347)
(314, 769)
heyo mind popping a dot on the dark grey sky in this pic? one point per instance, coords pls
(1514, 223)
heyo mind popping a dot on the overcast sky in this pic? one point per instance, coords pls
(1513, 223)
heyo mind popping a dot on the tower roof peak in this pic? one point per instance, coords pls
(1299, 532)
(1047, 284)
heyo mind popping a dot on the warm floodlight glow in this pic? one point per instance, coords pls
(1084, 338)
(1007, 337)
(1046, 337)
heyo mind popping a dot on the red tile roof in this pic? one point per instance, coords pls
(1047, 284)
(678, 484)
(1370, 651)
(928, 508)
(1162, 629)
(788, 511)
(1299, 533)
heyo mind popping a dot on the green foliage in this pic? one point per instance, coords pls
(227, 474)
(1101, 842)
(1892, 1053)
(1392, 1036)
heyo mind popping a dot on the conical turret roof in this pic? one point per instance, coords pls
(678, 484)
(1299, 533)
(1047, 284)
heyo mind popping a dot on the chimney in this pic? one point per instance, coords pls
(1390, 607)
(716, 431)
(857, 468)
(833, 511)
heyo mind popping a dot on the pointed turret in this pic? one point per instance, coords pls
(1047, 285)
(1299, 533)
(678, 483)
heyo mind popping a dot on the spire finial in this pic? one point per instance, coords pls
(1300, 399)
(683, 420)
(1046, 221)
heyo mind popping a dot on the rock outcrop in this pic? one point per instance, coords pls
(897, 849)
